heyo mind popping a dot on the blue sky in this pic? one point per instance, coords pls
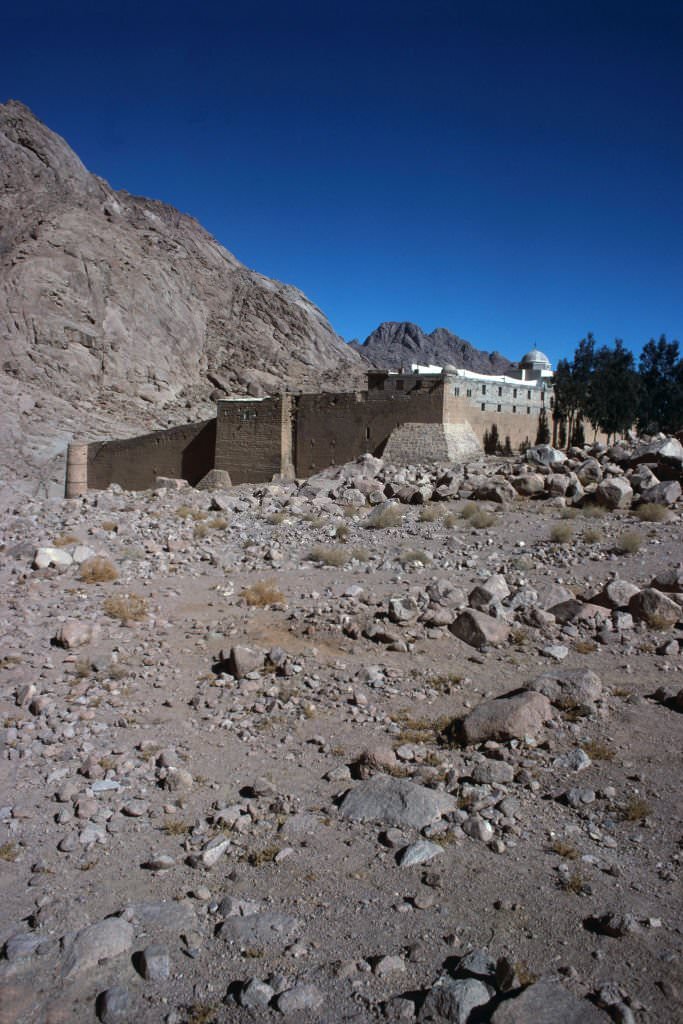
(511, 171)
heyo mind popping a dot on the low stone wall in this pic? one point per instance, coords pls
(186, 452)
(431, 442)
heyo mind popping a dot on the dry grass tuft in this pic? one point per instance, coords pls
(629, 542)
(565, 850)
(575, 883)
(173, 827)
(98, 569)
(126, 607)
(561, 533)
(598, 751)
(337, 556)
(262, 593)
(203, 1013)
(391, 515)
(481, 520)
(64, 540)
(411, 556)
(9, 852)
(109, 526)
(636, 809)
(592, 535)
(430, 513)
(265, 856)
(218, 523)
(585, 646)
(652, 513)
(450, 520)
(469, 509)
(594, 511)
(276, 518)
(200, 531)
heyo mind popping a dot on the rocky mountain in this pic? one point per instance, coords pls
(392, 345)
(120, 314)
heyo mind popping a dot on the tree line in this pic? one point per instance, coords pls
(603, 387)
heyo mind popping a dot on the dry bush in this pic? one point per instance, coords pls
(450, 520)
(409, 556)
(561, 533)
(565, 850)
(384, 517)
(262, 593)
(313, 519)
(482, 519)
(430, 513)
(126, 607)
(218, 523)
(636, 809)
(652, 513)
(598, 751)
(469, 509)
(592, 535)
(200, 531)
(329, 555)
(64, 540)
(569, 513)
(109, 526)
(265, 856)
(575, 883)
(594, 511)
(183, 511)
(342, 532)
(98, 569)
(629, 542)
(276, 518)
(585, 646)
(9, 852)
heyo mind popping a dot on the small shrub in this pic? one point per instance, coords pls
(342, 532)
(569, 513)
(593, 511)
(204, 1013)
(9, 852)
(276, 518)
(629, 542)
(98, 569)
(218, 523)
(64, 540)
(200, 531)
(430, 513)
(592, 535)
(410, 556)
(469, 509)
(561, 533)
(382, 518)
(109, 526)
(636, 809)
(265, 856)
(565, 850)
(183, 511)
(450, 520)
(360, 554)
(481, 520)
(173, 827)
(598, 751)
(652, 513)
(585, 646)
(262, 593)
(316, 521)
(575, 883)
(126, 607)
(329, 555)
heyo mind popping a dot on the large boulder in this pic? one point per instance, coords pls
(615, 492)
(518, 716)
(479, 630)
(655, 608)
(544, 455)
(395, 802)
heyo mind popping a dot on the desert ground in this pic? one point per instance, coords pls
(392, 743)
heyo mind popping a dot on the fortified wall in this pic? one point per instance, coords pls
(408, 417)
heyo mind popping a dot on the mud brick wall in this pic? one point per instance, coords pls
(254, 438)
(185, 452)
(333, 429)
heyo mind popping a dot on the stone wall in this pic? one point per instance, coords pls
(254, 438)
(519, 427)
(185, 452)
(432, 442)
(333, 429)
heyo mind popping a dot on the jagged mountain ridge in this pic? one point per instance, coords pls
(128, 311)
(396, 344)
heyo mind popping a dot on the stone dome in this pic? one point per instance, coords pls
(537, 359)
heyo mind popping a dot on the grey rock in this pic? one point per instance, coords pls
(576, 685)
(478, 964)
(299, 999)
(655, 608)
(44, 558)
(255, 994)
(479, 630)
(548, 1002)
(76, 633)
(155, 963)
(544, 455)
(665, 493)
(100, 941)
(113, 1005)
(516, 716)
(174, 916)
(490, 772)
(244, 660)
(395, 802)
(454, 999)
(263, 929)
(615, 492)
(418, 853)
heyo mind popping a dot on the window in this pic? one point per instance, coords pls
(498, 407)
(514, 408)
(483, 389)
(514, 392)
(469, 392)
(552, 403)
(500, 392)
(483, 406)
(528, 394)
(367, 433)
(456, 391)
(528, 410)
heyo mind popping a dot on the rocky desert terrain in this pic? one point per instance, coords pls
(391, 743)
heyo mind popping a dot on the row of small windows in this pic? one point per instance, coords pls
(456, 392)
(499, 408)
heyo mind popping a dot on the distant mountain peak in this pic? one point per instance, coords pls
(394, 344)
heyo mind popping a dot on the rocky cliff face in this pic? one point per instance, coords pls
(392, 345)
(119, 314)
